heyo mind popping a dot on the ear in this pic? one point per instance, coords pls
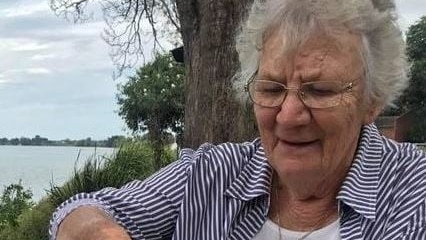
(372, 112)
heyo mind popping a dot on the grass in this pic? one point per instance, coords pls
(132, 160)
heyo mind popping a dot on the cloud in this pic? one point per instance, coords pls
(67, 30)
(3, 79)
(24, 75)
(39, 57)
(37, 71)
(29, 46)
(410, 11)
(21, 44)
(25, 9)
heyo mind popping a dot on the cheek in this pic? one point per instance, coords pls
(342, 135)
(265, 118)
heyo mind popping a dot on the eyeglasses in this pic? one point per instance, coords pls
(319, 94)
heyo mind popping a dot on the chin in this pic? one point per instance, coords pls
(299, 165)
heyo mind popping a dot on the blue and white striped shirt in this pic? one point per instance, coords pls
(222, 192)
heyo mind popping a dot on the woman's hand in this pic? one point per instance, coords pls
(90, 223)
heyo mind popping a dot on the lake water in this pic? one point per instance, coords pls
(38, 166)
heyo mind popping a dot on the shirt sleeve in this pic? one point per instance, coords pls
(146, 209)
(417, 234)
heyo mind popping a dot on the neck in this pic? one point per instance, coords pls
(302, 212)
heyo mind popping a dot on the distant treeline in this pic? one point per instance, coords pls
(112, 141)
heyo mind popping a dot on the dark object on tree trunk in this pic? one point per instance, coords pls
(178, 54)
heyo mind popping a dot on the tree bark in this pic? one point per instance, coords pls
(155, 135)
(208, 32)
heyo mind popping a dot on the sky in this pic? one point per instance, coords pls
(56, 76)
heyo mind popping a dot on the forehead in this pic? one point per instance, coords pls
(340, 54)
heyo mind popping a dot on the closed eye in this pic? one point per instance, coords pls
(320, 92)
(321, 88)
(268, 87)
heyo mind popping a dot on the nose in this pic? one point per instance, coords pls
(293, 112)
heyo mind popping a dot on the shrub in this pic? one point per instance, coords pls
(13, 201)
(32, 223)
(133, 160)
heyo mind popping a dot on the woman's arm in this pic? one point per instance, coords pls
(143, 209)
(90, 223)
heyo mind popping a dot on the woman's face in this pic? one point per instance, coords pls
(303, 142)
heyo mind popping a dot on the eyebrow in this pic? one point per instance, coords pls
(311, 75)
(268, 75)
(304, 76)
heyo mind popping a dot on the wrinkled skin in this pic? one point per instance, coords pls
(312, 149)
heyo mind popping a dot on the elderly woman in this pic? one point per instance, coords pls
(320, 71)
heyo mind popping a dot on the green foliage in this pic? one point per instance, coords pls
(133, 160)
(416, 40)
(112, 141)
(416, 50)
(153, 101)
(14, 201)
(32, 224)
(155, 96)
(115, 141)
(415, 97)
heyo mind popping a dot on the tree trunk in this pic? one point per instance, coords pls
(208, 32)
(155, 136)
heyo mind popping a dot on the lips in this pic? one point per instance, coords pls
(299, 142)
(297, 145)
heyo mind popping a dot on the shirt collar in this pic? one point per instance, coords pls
(360, 187)
(254, 179)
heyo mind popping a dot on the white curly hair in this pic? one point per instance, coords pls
(383, 47)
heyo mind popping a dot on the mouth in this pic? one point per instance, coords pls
(298, 145)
